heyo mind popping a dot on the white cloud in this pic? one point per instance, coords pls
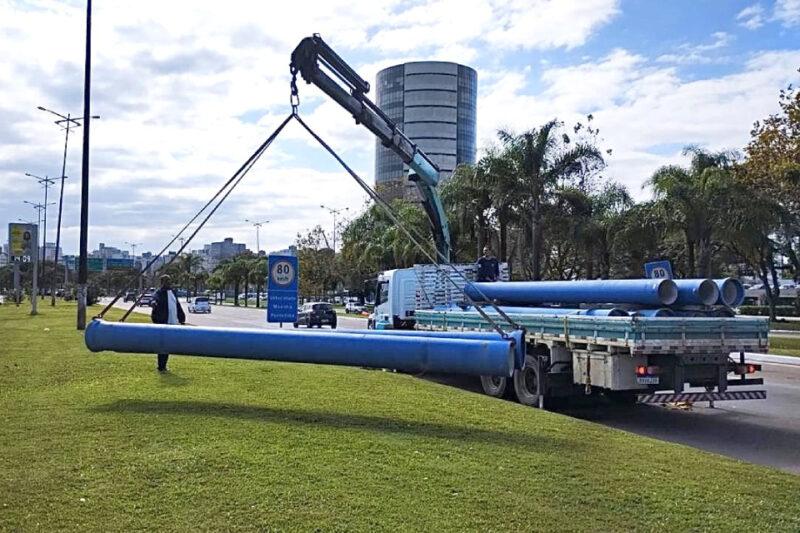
(751, 17)
(687, 54)
(645, 113)
(188, 90)
(787, 12)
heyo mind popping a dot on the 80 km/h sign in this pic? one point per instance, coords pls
(282, 273)
(282, 289)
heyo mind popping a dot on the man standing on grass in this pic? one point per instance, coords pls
(166, 310)
(488, 266)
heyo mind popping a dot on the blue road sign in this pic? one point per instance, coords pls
(282, 288)
(658, 270)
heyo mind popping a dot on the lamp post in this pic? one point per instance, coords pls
(35, 280)
(67, 123)
(133, 246)
(335, 213)
(46, 182)
(258, 228)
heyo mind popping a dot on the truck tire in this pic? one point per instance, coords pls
(526, 382)
(494, 386)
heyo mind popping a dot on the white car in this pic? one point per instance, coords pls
(201, 304)
(353, 307)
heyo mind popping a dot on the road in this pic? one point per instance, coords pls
(759, 431)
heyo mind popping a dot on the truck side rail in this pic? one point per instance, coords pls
(639, 335)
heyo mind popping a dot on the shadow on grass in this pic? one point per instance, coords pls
(173, 380)
(378, 424)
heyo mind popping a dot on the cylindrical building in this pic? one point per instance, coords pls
(434, 103)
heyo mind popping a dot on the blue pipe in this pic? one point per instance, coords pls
(731, 292)
(408, 354)
(517, 337)
(696, 292)
(557, 311)
(624, 291)
(662, 312)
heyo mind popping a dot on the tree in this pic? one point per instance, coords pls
(772, 168)
(690, 199)
(542, 160)
(317, 263)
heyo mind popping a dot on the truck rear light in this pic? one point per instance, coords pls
(749, 368)
(641, 370)
(653, 370)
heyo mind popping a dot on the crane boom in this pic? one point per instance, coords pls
(313, 53)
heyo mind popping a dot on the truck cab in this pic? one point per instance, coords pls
(395, 300)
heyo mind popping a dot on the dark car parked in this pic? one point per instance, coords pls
(316, 314)
(130, 296)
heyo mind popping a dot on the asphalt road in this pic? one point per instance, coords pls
(760, 431)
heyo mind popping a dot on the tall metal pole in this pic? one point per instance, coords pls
(46, 182)
(70, 123)
(84, 240)
(258, 234)
(60, 209)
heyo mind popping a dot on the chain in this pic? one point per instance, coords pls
(294, 96)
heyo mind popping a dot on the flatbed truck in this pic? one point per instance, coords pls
(624, 359)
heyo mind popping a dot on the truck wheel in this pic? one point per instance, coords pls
(494, 386)
(526, 382)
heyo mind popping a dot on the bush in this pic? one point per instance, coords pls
(763, 310)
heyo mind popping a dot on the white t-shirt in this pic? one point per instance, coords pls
(172, 308)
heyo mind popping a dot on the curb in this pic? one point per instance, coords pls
(775, 359)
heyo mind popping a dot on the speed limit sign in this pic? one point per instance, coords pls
(282, 288)
(282, 273)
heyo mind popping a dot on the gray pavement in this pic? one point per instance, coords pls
(760, 431)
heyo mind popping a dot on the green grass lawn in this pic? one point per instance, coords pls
(784, 345)
(792, 325)
(103, 442)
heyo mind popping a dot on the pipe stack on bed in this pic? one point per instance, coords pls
(616, 298)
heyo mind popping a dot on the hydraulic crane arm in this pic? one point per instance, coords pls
(313, 53)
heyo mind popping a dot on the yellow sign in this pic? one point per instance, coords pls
(22, 241)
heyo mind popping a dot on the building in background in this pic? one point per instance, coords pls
(434, 103)
(48, 252)
(216, 252)
(109, 252)
(3, 255)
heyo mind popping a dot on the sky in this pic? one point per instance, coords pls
(187, 89)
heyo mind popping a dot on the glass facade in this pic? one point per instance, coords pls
(434, 103)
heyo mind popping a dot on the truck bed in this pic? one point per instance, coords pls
(634, 335)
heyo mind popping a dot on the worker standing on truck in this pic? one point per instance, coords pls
(488, 266)
(166, 310)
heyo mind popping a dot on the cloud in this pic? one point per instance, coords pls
(787, 12)
(186, 95)
(751, 17)
(699, 54)
(641, 106)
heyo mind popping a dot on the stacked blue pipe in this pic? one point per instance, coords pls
(731, 292)
(556, 311)
(656, 292)
(446, 353)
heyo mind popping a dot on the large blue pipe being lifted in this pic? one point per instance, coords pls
(656, 292)
(413, 354)
(556, 311)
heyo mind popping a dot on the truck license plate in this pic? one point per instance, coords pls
(649, 380)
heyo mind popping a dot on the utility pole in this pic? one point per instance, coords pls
(66, 122)
(334, 212)
(258, 228)
(133, 246)
(35, 281)
(84, 240)
(47, 182)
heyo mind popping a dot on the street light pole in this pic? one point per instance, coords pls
(84, 239)
(47, 182)
(35, 280)
(67, 122)
(258, 228)
(334, 212)
(133, 246)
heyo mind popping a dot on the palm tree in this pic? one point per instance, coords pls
(541, 159)
(691, 198)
